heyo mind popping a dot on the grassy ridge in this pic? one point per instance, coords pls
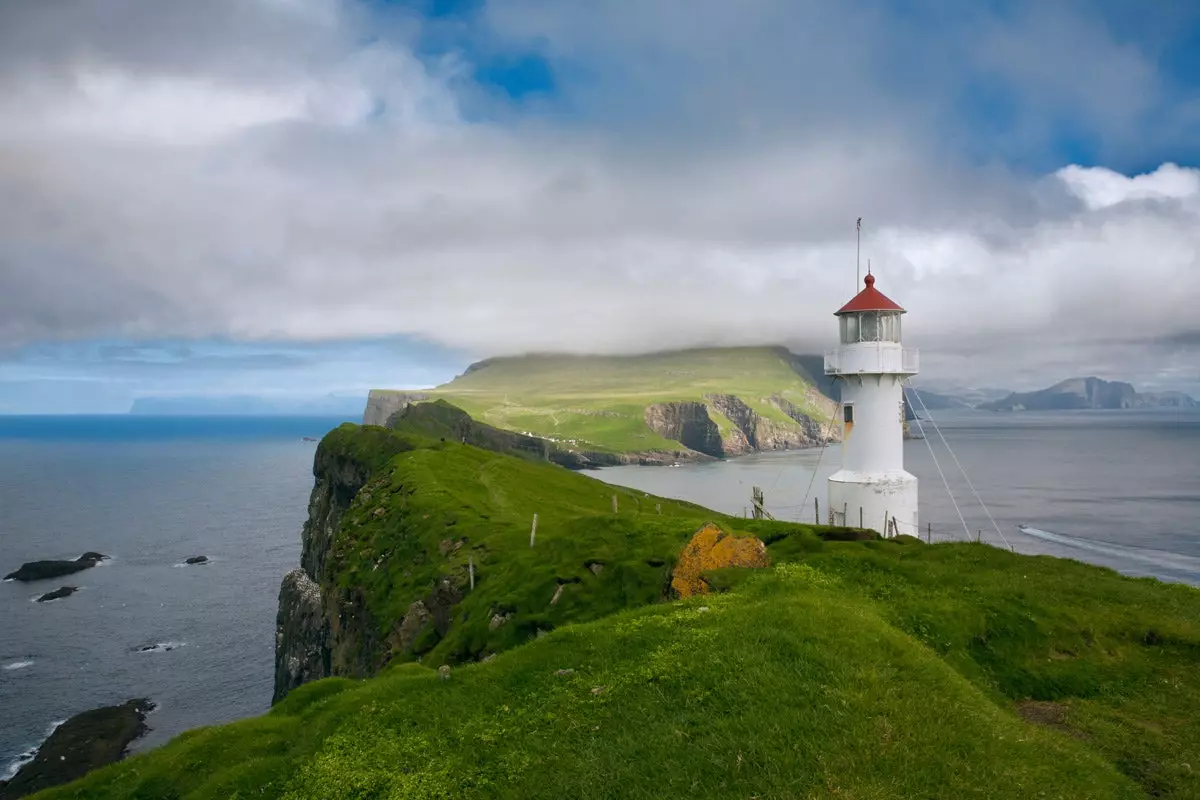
(793, 685)
(851, 669)
(600, 401)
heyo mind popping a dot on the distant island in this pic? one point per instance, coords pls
(648, 409)
(1088, 393)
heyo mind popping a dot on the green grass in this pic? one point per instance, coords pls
(600, 401)
(851, 669)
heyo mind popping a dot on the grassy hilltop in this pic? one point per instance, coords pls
(859, 669)
(641, 404)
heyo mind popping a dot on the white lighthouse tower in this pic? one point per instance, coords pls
(872, 489)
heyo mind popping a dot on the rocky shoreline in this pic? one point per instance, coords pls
(83, 743)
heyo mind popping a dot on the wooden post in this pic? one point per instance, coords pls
(816, 511)
(533, 530)
(929, 533)
(860, 519)
(978, 535)
(756, 501)
(471, 570)
(658, 507)
(614, 504)
(886, 517)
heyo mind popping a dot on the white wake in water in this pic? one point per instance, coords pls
(1162, 559)
(17, 665)
(26, 756)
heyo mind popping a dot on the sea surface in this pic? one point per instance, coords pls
(149, 492)
(1121, 489)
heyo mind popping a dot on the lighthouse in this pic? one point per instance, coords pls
(872, 488)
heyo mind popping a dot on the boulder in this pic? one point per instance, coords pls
(713, 548)
(83, 743)
(197, 560)
(58, 594)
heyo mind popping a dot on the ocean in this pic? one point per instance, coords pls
(149, 492)
(1121, 489)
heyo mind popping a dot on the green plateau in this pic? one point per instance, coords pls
(652, 408)
(851, 667)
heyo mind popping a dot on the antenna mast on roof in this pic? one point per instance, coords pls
(857, 252)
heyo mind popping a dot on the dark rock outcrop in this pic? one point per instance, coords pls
(301, 634)
(58, 594)
(83, 743)
(197, 560)
(45, 570)
(688, 423)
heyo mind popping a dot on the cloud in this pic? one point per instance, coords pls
(274, 171)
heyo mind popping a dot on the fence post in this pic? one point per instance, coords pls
(614, 504)
(860, 519)
(816, 511)
(533, 530)
(471, 570)
(929, 533)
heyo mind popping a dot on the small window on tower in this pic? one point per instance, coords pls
(848, 414)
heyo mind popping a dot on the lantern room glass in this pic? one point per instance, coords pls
(870, 326)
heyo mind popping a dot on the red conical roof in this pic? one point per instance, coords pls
(869, 299)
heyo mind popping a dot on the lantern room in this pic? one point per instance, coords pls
(870, 317)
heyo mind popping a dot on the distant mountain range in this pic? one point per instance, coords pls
(1088, 393)
(250, 406)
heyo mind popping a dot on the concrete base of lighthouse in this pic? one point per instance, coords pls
(874, 498)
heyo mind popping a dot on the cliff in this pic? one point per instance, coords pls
(403, 518)
(1087, 393)
(658, 408)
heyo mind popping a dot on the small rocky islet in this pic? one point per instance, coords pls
(58, 594)
(85, 742)
(48, 569)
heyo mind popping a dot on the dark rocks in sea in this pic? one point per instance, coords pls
(197, 560)
(162, 647)
(58, 594)
(45, 570)
(83, 743)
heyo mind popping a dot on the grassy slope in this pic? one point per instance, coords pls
(601, 400)
(454, 492)
(875, 669)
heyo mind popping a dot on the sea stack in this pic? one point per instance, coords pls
(872, 489)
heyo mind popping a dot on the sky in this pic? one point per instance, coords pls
(316, 197)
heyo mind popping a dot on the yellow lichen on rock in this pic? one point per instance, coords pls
(713, 548)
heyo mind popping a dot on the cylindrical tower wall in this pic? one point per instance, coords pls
(873, 439)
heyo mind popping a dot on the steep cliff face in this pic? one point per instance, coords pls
(815, 432)
(753, 432)
(311, 612)
(687, 423)
(301, 634)
(383, 403)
